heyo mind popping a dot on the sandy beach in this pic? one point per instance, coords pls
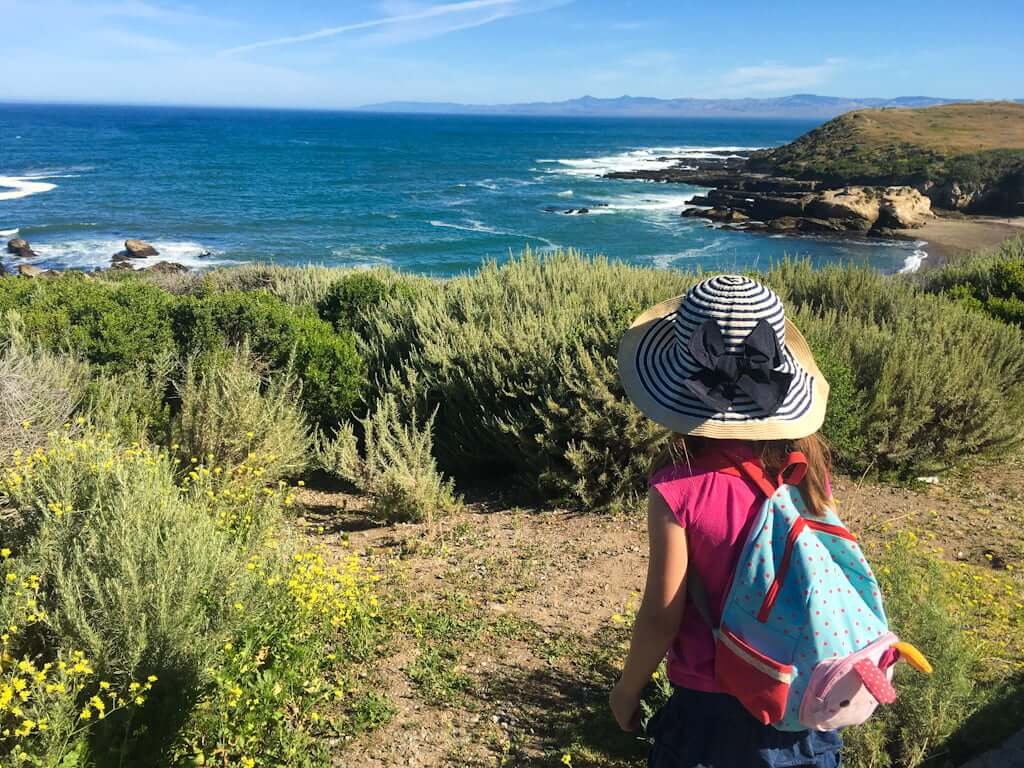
(949, 235)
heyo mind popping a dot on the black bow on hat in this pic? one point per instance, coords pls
(725, 376)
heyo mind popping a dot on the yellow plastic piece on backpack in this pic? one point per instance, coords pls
(914, 657)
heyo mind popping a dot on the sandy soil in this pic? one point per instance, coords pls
(949, 235)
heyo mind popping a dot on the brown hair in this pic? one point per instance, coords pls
(681, 449)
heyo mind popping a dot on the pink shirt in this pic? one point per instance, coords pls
(717, 510)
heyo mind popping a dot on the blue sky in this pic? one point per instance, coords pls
(350, 52)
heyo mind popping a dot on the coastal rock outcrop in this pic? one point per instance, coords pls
(136, 249)
(20, 248)
(855, 209)
(903, 208)
(167, 268)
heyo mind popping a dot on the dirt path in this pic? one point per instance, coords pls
(508, 624)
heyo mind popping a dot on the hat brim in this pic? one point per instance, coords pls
(767, 428)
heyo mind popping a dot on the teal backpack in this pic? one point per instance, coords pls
(803, 642)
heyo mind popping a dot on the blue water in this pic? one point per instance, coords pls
(432, 194)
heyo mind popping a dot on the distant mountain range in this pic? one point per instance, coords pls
(797, 106)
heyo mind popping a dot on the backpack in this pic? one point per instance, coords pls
(803, 642)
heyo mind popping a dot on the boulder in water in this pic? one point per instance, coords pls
(136, 249)
(20, 248)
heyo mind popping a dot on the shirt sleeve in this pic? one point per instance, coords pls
(674, 489)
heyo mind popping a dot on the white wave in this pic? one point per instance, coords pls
(487, 184)
(8, 232)
(913, 262)
(90, 254)
(472, 225)
(22, 186)
(647, 159)
(359, 257)
(649, 202)
(566, 193)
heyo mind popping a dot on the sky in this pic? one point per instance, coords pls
(323, 54)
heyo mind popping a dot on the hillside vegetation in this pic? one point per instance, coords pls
(978, 146)
(157, 434)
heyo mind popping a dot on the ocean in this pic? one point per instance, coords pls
(432, 194)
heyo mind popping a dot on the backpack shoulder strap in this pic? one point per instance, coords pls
(793, 472)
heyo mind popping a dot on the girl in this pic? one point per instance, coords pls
(733, 379)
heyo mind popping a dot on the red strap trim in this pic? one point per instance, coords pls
(787, 554)
(831, 529)
(794, 469)
(753, 471)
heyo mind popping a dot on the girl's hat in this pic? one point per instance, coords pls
(723, 362)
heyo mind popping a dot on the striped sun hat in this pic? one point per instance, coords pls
(723, 361)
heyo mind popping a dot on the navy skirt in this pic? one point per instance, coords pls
(713, 730)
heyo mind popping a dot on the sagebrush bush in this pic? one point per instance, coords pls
(935, 381)
(39, 391)
(133, 405)
(396, 468)
(496, 353)
(228, 409)
(134, 573)
(331, 370)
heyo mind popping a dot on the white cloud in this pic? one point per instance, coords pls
(774, 77)
(504, 8)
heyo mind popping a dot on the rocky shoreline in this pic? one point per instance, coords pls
(134, 251)
(743, 199)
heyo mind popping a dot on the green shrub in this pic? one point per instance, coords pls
(991, 281)
(39, 390)
(397, 469)
(116, 327)
(327, 363)
(351, 298)
(133, 405)
(229, 410)
(496, 353)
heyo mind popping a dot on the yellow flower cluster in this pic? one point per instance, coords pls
(36, 696)
(336, 592)
(237, 495)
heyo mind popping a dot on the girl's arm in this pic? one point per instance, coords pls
(661, 610)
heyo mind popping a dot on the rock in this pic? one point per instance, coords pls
(856, 208)
(783, 224)
(136, 249)
(903, 208)
(20, 248)
(121, 263)
(28, 270)
(724, 215)
(166, 268)
(767, 207)
(825, 226)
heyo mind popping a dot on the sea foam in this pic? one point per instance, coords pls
(96, 253)
(647, 159)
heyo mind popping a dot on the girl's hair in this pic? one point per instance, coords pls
(814, 487)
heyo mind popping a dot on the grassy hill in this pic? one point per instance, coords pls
(979, 145)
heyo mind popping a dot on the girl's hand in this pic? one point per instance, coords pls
(626, 707)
